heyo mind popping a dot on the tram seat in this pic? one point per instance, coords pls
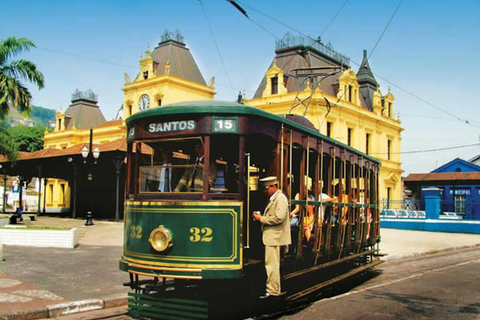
(219, 184)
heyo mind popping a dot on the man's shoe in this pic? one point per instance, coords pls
(266, 295)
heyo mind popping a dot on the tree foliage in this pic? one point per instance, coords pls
(8, 147)
(13, 94)
(27, 139)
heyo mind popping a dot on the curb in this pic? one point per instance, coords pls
(420, 254)
(67, 308)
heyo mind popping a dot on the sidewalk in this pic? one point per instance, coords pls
(33, 278)
(88, 276)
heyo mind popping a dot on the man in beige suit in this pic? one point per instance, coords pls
(276, 232)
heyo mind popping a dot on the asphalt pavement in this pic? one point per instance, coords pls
(46, 282)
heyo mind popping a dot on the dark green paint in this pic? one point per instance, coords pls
(224, 222)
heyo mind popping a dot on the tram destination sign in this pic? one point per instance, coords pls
(171, 126)
(225, 125)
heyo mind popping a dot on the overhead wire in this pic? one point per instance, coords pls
(465, 121)
(385, 29)
(103, 61)
(216, 46)
(317, 84)
(374, 47)
(428, 150)
(368, 58)
(86, 57)
(429, 103)
(290, 27)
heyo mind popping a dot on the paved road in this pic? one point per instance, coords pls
(33, 278)
(438, 286)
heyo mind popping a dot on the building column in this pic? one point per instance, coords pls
(432, 202)
(39, 207)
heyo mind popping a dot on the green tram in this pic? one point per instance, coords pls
(190, 242)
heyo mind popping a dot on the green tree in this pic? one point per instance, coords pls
(8, 147)
(27, 139)
(13, 94)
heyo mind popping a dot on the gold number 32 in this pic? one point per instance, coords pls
(203, 235)
(136, 232)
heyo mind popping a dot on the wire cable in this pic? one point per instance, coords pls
(86, 57)
(374, 47)
(429, 150)
(385, 29)
(216, 46)
(290, 27)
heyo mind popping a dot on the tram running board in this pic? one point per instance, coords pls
(319, 286)
(329, 264)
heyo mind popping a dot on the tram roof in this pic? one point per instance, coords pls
(233, 108)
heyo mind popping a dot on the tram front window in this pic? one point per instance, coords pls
(178, 165)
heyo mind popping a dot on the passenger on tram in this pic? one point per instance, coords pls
(309, 219)
(324, 198)
(192, 178)
(165, 184)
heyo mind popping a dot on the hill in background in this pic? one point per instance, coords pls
(40, 117)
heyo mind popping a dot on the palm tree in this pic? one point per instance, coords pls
(13, 94)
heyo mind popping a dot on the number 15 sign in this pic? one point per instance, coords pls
(225, 125)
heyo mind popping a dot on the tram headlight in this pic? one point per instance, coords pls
(160, 239)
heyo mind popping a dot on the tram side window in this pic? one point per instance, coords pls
(164, 163)
(262, 151)
(177, 165)
(224, 156)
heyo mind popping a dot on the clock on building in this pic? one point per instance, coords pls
(144, 102)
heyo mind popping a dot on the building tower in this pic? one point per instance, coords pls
(316, 81)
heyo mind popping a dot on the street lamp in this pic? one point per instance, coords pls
(90, 158)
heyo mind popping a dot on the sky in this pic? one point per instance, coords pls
(426, 52)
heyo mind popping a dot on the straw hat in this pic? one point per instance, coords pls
(268, 181)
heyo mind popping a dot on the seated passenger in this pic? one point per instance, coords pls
(165, 184)
(192, 178)
(309, 220)
(323, 197)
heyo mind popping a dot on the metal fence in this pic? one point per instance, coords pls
(407, 204)
(468, 210)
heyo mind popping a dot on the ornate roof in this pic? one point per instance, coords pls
(301, 57)
(365, 74)
(84, 112)
(294, 52)
(174, 56)
(368, 83)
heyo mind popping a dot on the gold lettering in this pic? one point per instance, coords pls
(201, 235)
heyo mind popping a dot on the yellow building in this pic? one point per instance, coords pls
(167, 74)
(315, 81)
